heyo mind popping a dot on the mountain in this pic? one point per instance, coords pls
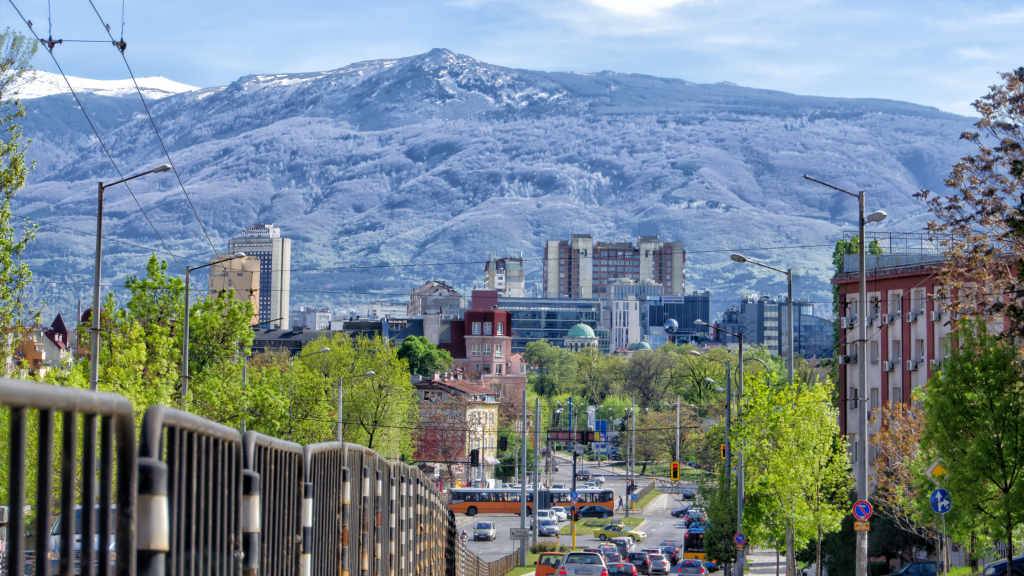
(440, 158)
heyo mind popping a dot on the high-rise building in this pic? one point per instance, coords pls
(757, 318)
(581, 268)
(263, 241)
(813, 337)
(506, 276)
(239, 275)
(685, 310)
(434, 297)
(551, 319)
(628, 310)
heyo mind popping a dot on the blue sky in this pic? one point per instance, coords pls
(943, 53)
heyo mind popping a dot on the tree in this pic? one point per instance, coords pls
(556, 368)
(16, 53)
(974, 421)
(897, 466)
(979, 225)
(721, 510)
(594, 374)
(423, 357)
(444, 431)
(647, 376)
(656, 437)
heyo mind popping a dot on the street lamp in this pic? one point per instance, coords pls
(789, 281)
(862, 457)
(341, 393)
(94, 360)
(184, 345)
(677, 425)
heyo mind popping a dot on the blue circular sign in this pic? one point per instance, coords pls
(862, 510)
(940, 501)
(740, 538)
(632, 496)
(574, 496)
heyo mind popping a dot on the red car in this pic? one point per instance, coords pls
(620, 569)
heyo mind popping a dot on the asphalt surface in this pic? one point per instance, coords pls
(659, 526)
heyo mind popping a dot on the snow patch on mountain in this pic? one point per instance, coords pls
(48, 84)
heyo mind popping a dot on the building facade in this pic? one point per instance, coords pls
(757, 318)
(264, 242)
(581, 268)
(907, 335)
(813, 337)
(628, 310)
(506, 276)
(240, 276)
(456, 417)
(434, 297)
(382, 309)
(685, 310)
(551, 319)
(579, 337)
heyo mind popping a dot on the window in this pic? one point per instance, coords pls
(942, 352)
(497, 368)
(487, 328)
(919, 301)
(919, 350)
(895, 303)
(476, 349)
(522, 368)
(487, 349)
(897, 351)
(501, 329)
(852, 399)
(499, 350)
(897, 396)
(476, 328)
(856, 445)
(874, 351)
(487, 369)
(875, 398)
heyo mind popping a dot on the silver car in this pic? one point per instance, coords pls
(582, 564)
(659, 564)
(485, 531)
(547, 527)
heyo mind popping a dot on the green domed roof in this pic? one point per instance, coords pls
(640, 346)
(581, 331)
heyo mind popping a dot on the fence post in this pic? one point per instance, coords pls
(307, 529)
(154, 521)
(250, 523)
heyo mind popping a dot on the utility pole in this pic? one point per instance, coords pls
(522, 495)
(728, 423)
(94, 359)
(677, 428)
(572, 505)
(536, 466)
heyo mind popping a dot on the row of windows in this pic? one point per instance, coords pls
(484, 328)
(485, 349)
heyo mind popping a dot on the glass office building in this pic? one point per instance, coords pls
(551, 318)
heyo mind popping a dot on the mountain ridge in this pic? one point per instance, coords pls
(442, 158)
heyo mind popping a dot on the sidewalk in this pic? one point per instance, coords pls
(763, 562)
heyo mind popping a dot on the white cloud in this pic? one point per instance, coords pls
(642, 8)
(975, 53)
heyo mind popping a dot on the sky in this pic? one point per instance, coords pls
(941, 53)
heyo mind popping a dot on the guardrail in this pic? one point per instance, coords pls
(117, 421)
(197, 498)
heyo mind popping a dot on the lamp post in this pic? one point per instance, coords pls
(739, 469)
(341, 394)
(184, 344)
(94, 359)
(789, 281)
(862, 416)
(677, 424)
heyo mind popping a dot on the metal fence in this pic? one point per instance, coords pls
(197, 498)
(116, 451)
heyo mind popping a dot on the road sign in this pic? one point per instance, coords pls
(573, 502)
(941, 502)
(739, 547)
(740, 538)
(936, 470)
(574, 495)
(862, 510)
(861, 526)
(520, 533)
(632, 496)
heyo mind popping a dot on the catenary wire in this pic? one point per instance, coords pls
(152, 121)
(98, 138)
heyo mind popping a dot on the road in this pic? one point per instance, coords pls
(659, 526)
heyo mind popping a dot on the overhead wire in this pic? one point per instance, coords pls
(96, 132)
(120, 45)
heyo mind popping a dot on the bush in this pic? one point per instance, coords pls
(878, 568)
(547, 547)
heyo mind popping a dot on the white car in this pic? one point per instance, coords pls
(597, 479)
(546, 515)
(558, 487)
(561, 514)
(582, 564)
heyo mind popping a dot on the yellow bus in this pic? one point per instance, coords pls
(693, 545)
(473, 501)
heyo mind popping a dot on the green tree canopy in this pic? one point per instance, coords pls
(423, 357)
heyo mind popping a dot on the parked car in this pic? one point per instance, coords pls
(485, 531)
(546, 527)
(617, 531)
(926, 568)
(594, 511)
(681, 512)
(581, 564)
(561, 514)
(692, 567)
(642, 561)
(999, 568)
(548, 563)
(621, 569)
(624, 544)
(659, 564)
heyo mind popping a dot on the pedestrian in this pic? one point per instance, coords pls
(621, 505)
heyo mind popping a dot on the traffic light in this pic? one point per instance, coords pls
(474, 458)
(723, 451)
(675, 471)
